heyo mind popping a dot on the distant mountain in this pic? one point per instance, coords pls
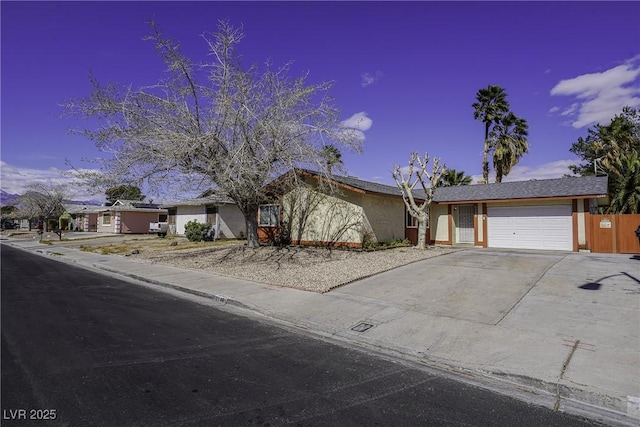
(83, 202)
(7, 199)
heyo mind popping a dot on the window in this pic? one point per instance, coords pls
(212, 214)
(268, 215)
(106, 218)
(411, 222)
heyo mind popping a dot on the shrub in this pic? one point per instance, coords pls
(196, 232)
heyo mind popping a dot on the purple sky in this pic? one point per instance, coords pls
(412, 68)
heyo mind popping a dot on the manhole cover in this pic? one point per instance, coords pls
(361, 327)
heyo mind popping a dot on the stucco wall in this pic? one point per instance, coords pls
(439, 222)
(232, 224)
(479, 223)
(331, 219)
(385, 215)
(184, 214)
(106, 228)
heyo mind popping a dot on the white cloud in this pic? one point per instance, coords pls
(15, 180)
(554, 109)
(368, 79)
(601, 95)
(358, 123)
(555, 169)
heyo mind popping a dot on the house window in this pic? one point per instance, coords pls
(106, 218)
(411, 221)
(212, 212)
(268, 215)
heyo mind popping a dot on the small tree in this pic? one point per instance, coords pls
(42, 201)
(126, 192)
(417, 173)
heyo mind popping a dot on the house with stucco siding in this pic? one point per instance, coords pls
(221, 213)
(126, 217)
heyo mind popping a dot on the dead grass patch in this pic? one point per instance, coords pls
(151, 246)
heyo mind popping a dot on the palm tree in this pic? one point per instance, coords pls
(624, 181)
(452, 178)
(509, 143)
(332, 156)
(490, 107)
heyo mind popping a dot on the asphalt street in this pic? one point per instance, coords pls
(82, 348)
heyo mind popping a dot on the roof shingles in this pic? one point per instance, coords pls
(583, 186)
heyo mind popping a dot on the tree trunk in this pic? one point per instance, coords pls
(485, 156)
(251, 222)
(422, 233)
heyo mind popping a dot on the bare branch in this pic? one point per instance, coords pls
(417, 203)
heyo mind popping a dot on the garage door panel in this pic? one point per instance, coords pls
(530, 227)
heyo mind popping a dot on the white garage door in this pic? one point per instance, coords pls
(530, 227)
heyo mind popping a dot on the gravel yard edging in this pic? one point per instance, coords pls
(307, 268)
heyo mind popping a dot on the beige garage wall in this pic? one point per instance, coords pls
(439, 222)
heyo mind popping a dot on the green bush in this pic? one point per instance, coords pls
(196, 232)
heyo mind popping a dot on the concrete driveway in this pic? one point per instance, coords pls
(480, 286)
(572, 316)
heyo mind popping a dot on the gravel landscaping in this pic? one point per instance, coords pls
(307, 268)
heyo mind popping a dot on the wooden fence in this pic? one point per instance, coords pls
(615, 233)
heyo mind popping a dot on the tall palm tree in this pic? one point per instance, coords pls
(452, 178)
(332, 156)
(509, 143)
(490, 107)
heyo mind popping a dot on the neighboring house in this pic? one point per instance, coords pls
(222, 214)
(539, 214)
(73, 217)
(126, 217)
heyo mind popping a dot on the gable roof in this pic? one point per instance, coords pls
(199, 201)
(126, 203)
(360, 185)
(570, 187)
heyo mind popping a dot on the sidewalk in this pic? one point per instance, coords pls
(571, 341)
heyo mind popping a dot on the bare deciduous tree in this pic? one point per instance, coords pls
(217, 124)
(42, 201)
(428, 182)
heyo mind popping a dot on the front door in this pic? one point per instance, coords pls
(465, 224)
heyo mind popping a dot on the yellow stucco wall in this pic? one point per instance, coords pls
(329, 218)
(385, 215)
(439, 222)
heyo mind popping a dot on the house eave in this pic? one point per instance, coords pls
(512, 200)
